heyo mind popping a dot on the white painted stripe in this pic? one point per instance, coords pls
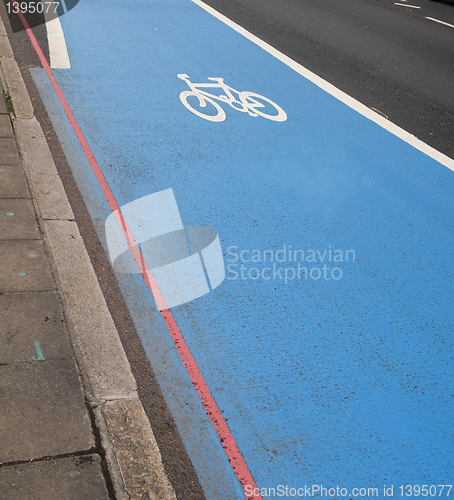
(58, 52)
(406, 5)
(441, 22)
(334, 91)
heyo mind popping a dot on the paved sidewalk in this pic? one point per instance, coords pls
(71, 424)
(47, 441)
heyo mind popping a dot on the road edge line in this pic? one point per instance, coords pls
(351, 102)
(86, 312)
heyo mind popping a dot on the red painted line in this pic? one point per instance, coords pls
(228, 442)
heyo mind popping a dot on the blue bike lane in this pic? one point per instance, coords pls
(328, 347)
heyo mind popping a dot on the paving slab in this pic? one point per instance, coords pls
(24, 267)
(71, 478)
(6, 129)
(30, 318)
(8, 151)
(18, 220)
(42, 411)
(12, 182)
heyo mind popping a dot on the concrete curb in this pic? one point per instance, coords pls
(136, 450)
(48, 192)
(132, 454)
(105, 368)
(22, 105)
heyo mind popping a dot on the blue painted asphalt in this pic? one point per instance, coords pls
(322, 381)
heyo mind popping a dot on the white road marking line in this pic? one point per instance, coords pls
(58, 52)
(406, 5)
(334, 91)
(441, 22)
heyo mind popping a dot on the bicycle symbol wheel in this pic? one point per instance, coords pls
(262, 106)
(218, 117)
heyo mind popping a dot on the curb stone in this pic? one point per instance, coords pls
(22, 105)
(46, 186)
(133, 457)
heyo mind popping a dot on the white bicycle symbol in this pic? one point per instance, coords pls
(246, 102)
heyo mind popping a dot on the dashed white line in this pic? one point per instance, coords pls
(441, 22)
(406, 5)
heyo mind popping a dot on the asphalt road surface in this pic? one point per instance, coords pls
(324, 356)
(388, 56)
